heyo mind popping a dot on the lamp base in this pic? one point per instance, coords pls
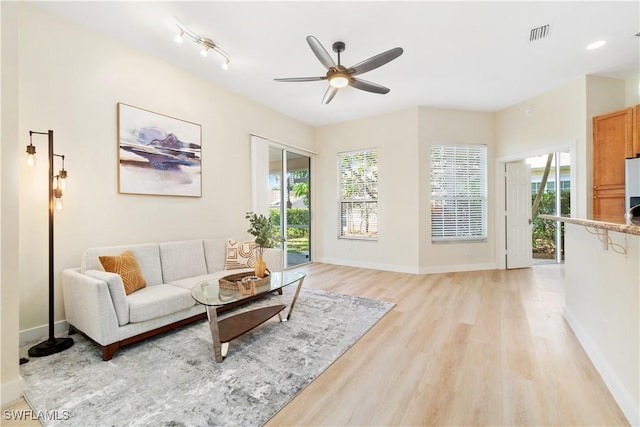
(50, 346)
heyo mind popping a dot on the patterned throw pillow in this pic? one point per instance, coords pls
(240, 255)
(127, 267)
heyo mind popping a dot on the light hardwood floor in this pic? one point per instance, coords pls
(473, 348)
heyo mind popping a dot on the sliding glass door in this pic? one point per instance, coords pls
(289, 202)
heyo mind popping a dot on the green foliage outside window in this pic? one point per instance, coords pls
(544, 231)
(299, 217)
(298, 230)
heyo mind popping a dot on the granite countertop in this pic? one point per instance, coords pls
(613, 223)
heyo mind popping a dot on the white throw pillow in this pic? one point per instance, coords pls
(240, 255)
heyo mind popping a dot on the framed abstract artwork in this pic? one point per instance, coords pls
(158, 154)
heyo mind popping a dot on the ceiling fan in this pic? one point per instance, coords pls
(340, 76)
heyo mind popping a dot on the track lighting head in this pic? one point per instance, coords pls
(179, 38)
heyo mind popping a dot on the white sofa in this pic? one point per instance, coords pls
(96, 304)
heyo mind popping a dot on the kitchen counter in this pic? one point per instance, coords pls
(617, 223)
(602, 300)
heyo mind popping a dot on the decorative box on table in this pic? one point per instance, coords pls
(245, 283)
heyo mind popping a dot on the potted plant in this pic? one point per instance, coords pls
(260, 228)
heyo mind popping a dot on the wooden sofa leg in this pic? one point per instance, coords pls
(72, 330)
(109, 350)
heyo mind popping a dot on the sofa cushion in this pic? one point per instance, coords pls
(215, 252)
(125, 266)
(147, 255)
(240, 255)
(157, 301)
(182, 259)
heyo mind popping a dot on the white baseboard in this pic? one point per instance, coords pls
(457, 268)
(11, 391)
(370, 265)
(408, 269)
(40, 333)
(618, 391)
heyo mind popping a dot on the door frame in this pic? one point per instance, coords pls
(500, 219)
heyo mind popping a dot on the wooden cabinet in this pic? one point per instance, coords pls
(636, 133)
(616, 136)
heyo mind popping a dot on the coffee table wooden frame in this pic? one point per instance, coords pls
(232, 327)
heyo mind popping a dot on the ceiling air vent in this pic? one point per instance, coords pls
(540, 32)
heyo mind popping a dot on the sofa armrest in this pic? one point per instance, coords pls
(116, 290)
(274, 259)
(89, 307)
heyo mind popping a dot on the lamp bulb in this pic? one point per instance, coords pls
(179, 37)
(225, 65)
(57, 196)
(31, 152)
(204, 52)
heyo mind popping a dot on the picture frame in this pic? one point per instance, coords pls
(158, 154)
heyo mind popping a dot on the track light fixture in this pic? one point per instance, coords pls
(204, 43)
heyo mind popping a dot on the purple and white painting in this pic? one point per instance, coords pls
(158, 154)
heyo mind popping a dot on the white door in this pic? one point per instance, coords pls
(518, 215)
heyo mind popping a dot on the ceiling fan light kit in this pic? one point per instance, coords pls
(206, 44)
(340, 76)
(339, 80)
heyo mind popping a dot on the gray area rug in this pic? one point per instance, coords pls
(172, 380)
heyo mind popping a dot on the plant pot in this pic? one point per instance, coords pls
(260, 267)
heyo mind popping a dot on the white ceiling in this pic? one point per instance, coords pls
(461, 55)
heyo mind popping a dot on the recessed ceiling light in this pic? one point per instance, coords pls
(596, 45)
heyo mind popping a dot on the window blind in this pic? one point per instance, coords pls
(458, 192)
(358, 194)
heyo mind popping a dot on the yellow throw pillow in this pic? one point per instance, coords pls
(127, 267)
(240, 255)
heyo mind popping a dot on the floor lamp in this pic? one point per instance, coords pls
(56, 185)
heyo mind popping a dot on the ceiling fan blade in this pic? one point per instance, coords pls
(368, 86)
(320, 52)
(376, 61)
(329, 94)
(301, 79)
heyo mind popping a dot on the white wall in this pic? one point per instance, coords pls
(632, 90)
(542, 124)
(603, 308)
(394, 135)
(71, 80)
(402, 139)
(558, 118)
(466, 127)
(10, 380)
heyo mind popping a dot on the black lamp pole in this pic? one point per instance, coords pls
(53, 344)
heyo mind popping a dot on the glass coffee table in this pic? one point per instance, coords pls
(210, 294)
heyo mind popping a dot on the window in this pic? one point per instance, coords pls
(358, 192)
(458, 192)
